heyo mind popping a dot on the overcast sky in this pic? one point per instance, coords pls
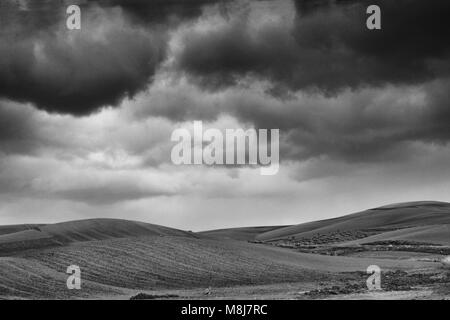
(86, 116)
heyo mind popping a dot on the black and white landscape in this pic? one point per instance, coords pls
(355, 92)
(324, 259)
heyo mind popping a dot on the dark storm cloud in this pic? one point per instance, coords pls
(375, 127)
(37, 14)
(364, 95)
(159, 11)
(367, 125)
(77, 72)
(114, 55)
(370, 125)
(328, 48)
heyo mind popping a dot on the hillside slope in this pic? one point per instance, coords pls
(242, 234)
(17, 228)
(404, 215)
(435, 234)
(58, 234)
(118, 265)
(102, 229)
(119, 257)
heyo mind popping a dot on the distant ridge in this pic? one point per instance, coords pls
(419, 220)
(429, 214)
(17, 227)
(400, 215)
(39, 236)
(243, 234)
(413, 204)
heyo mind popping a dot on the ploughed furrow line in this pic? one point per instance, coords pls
(174, 262)
(196, 251)
(126, 270)
(23, 278)
(221, 264)
(110, 263)
(97, 268)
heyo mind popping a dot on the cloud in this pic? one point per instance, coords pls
(35, 15)
(325, 47)
(159, 11)
(47, 177)
(366, 125)
(114, 55)
(314, 46)
(77, 72)
(354, 108)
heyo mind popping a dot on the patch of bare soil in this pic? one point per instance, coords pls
(332, 237)
(392, 281)
(325, 248)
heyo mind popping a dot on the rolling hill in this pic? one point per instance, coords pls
(120, 265)
(58, 234)
(120, 257)
(389, 218)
